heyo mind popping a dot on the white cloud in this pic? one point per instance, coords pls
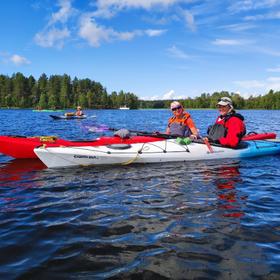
(145, 4)
(155, 32)
(63, 14)
(109, 8)
(169, 95)
(177, 53)
(189, 19)
(96, 34)
(93, 33)
(154, 97)
(239, 27)
(273, 79)
(247, 5)
(276, 69)
(250, 84)
(259, 86)
(19, 60)
(273, 83)
(267, 51)
(268, 16)
(56, 30)
(52, 37)
(227, 42)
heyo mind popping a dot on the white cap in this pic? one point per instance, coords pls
(224, 101)
(175, 104)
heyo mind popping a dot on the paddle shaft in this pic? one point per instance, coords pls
(146, 133)
(206, 142)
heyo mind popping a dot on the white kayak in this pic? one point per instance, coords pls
(151, 152)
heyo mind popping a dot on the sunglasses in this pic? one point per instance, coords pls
(176, 108)
(224, 100)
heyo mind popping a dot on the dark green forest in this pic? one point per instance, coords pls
(61, 92)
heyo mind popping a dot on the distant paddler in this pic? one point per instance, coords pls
(78, 113)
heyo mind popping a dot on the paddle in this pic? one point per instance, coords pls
(168, 136)
(206, 142)
(103, 128)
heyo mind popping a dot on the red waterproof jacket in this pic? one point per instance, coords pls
(235, 128)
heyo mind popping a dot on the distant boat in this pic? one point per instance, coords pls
(124, 108)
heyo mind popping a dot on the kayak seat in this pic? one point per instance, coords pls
(119, 146)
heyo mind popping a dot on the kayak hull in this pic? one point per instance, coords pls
(63, 117)
(153, 152)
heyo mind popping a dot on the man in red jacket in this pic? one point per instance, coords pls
(229, 127)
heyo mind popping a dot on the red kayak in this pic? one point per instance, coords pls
(22, 147)
(259, 136)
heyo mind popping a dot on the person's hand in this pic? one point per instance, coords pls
(206, 139)
(193, 137)
(209, 140)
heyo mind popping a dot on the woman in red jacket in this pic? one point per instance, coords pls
(229, 127)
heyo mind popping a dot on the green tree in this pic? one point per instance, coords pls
(65, 92)
(43, 102)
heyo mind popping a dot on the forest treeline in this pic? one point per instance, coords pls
(61, 92)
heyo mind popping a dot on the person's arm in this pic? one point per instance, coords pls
(191, 125)
(167, 131)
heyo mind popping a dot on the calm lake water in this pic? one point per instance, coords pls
(196, 220)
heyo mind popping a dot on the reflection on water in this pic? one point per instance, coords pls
(229, 198)
(19, 170)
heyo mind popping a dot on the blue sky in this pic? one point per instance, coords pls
(154, 48)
